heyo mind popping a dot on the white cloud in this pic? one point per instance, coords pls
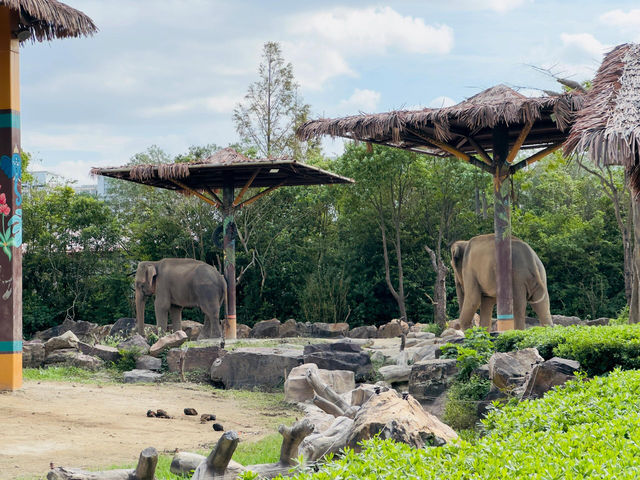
(583, 42)
(628, 22)
(361, 100)
(442, 101)
(499, 6)
(215, 104)
(315, 65)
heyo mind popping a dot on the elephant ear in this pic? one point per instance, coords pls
(151, 277)
(457, 254)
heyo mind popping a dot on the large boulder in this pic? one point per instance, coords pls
(546, 375)
(147, 362)
(251, 367)
(123, 328)
(184, 463)
(137, 344)
(195, 358)
(365, 331)
(395, 373)
(32, 354)
(242, 330)
(64, 341)
(167, 342)
(426, 352)
(191, 328)
(429, 381)
(297, 389)
(329, 330)
(85, 331)
(288, 329)
(399, 418)
(340, 356)
(395, 328)
(507, 371)
(565, 321)
(266, 329)
(106, 353)
(71, 357)
(141, 376)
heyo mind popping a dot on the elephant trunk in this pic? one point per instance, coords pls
(140, 304)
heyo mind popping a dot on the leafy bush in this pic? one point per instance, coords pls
(599, 349)
(586, 430)
(128, 359)
(461, 411)
(474, 351)
(433, 328)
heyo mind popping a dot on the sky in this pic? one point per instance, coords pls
(170, 72)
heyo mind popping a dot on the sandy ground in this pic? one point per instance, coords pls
(93, 426)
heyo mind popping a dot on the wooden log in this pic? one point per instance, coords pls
(327, 406)
(317, 445)
(291, 438)
(220, 456)
(324, 390)
(145, 470)
(147, 463)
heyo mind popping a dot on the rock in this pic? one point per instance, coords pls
(426, 352)
(190, 411)
(147, 362)
(64, 341)
(597, 322)
(106, 353)
(451, 333)
(184, 463)
(378, 357)
(191, 328)
(421, 335)
(391, 416)
(172, 340)
(137, 343)
(429, 381)
(546, 375)
(266, 329)
(365, 331)
(565, 321)
(72, 358)
(123, 328)
(395, 373)
(254, 367)
(32, 354)
(196, 359)
(85, 331)
(242, 330)
(218, 427)
(417, 327)
(288, 329)
(329, 330)
(395, 328)
(507, 371)
(141, 376)
(296, 388)
(482, 372)
(340, 356)
(207, 417)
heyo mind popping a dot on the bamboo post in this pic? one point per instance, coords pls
(229, 245)
(10, 209)
(502, 228)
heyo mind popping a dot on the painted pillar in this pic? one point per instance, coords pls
(229, 232)
(10, 206)
(502, 228)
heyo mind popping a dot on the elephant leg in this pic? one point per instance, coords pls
(486, 311)
(519, 307)
(470, 307)
(176, 318)
(162, 312)
(211, 328)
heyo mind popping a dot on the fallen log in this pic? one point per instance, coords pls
(217, 466)
(145, 470)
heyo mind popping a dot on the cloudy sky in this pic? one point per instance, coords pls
(169, 72)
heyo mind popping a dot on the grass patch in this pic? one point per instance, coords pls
(266, 450)
(71, 374)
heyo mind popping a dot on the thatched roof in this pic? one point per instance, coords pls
(50, 19)
(608, 127)
(221, 169)
(474, 117)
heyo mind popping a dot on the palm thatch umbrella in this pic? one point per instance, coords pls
(487, 131)
(227, 170)
(608, 129)
(19, 21)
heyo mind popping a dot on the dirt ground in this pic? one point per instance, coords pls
(93, 426)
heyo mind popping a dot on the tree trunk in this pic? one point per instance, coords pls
(387, 269)
(439, 288)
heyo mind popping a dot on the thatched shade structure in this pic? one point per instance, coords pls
(608, 130)
(19, 21)
(226, 170)
(487, 130)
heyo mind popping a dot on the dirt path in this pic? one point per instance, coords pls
(93, 426)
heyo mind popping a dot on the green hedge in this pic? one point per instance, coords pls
(589, 429)
(598, 349)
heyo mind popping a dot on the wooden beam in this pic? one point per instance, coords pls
(519, 141)
(213, 195)
(481, 151)
(196, 193)
(261, 194)
(245, 188)
(535, 157)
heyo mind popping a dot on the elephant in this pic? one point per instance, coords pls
(178, 283)
(474, 268)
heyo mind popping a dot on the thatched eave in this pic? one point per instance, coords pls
(50, 19)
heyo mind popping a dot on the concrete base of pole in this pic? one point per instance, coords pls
(506, 324)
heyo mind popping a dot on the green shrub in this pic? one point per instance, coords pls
(586, 430)
(599, 349)
(461, 409)
(474, 351)
(127, 360)
(433, 328)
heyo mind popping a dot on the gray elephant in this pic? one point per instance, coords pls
(474, 267)
(178, 283)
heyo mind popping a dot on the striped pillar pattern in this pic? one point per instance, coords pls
(10, 206)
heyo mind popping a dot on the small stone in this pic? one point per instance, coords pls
(207, 417)
(218, 427)
(190, 411)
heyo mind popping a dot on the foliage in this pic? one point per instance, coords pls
(599, 349)
(69, 374)
(127, 361)
(461, 408)
(585, 430)
(265, 450)
(433, 328)
(475, 350)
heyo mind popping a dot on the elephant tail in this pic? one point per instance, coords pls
(537, 286)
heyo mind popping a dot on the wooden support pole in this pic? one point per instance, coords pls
(535, 157)
(481, 151)
(229, 245)
(202, 197)
(10, 206)
(214, 196)
(245, 188)
(260, 195)
(502, 228)
(519, 141)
